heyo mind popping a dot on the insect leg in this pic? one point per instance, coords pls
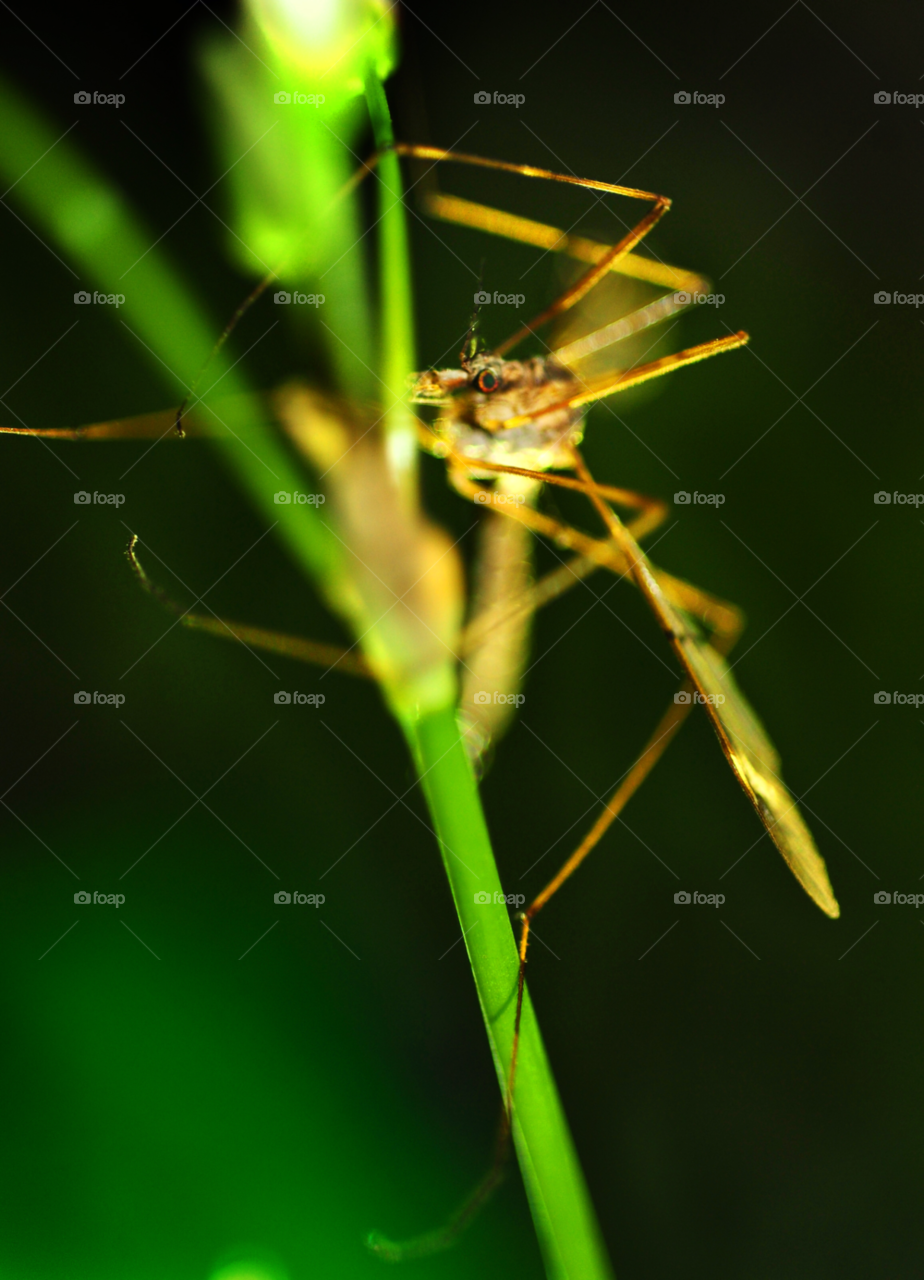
(325, 655)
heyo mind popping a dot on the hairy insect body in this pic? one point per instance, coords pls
(488, 392)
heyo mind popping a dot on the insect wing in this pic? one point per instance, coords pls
(744, 740)
(756, 764)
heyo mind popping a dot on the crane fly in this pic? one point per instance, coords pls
(505, 428)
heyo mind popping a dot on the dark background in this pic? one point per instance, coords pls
(743, 1083)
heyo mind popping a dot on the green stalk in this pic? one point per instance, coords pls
(563, 1214)
(396, 304)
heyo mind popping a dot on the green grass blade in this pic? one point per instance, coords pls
(396, 307)
(561, 1207)
(85, 216)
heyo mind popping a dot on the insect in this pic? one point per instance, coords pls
(506, 427)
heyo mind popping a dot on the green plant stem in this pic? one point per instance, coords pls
(395, 303)
(565, 1222)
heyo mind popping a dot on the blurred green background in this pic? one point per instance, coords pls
(743, 1083)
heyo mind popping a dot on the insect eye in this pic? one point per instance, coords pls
(488, 381)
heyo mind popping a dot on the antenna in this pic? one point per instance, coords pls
(474, 342)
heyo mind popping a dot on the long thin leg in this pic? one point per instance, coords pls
(723, 620)
(582, 286)
(558, 581)
(611, 256)
(144, 426)
(480, 217)
(601, 388)
(657, 744)
(326, 655)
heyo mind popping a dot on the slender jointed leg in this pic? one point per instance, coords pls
(325, 655)
(609, 258)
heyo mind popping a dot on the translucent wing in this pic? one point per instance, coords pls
(744, 740)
